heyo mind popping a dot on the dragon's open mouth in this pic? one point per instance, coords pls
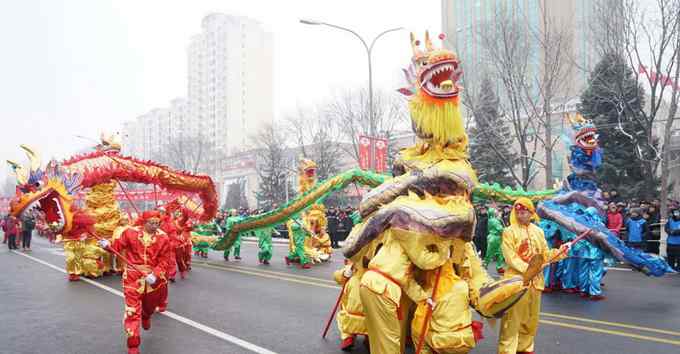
(440, 79)
(587, 139)
(310, 172)
(49, 203)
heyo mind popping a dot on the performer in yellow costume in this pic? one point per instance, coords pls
(522, 241)
(451, 330)
(423, 221)
(318, 245)
(351, 316)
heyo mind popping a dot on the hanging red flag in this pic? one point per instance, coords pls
(380, 155)
(364, 152)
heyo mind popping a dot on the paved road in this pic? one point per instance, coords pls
(243, 307)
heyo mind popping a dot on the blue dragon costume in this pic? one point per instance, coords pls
(579, 207)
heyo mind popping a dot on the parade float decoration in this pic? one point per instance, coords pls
(53, 190)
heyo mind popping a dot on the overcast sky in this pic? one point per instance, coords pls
(77, 67)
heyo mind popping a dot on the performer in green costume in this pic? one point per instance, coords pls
(494, 240)
(296, 244)
(264, 242)
(229, 221)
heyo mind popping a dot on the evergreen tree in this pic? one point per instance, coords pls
(272, 168)
(490, 139)
(611, 83)
(236, 197)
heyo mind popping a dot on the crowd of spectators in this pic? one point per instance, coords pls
(636, 221)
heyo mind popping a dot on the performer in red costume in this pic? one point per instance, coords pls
(183, 249)
(181, 238)
(169, 226)
(147, 250)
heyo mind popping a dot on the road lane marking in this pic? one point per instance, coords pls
(612, 332)
(279, 277)
(314, 281)
(271, 272)
(611, 324)
(201, 327)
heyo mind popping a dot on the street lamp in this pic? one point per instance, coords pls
(369, 50)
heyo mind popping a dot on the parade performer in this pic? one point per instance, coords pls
(232, 217)
(264, 244)
(423, 220)
(82, 253)
(169, 227)
(451, 329)
(101, 203)
(522, 241)
(297, 235)
(148, 251)
(416, 220)
(52, 190)
(579, 207)
(182, 237)
(318, 244)
(203, 237)
(493, 241)
(351, 317)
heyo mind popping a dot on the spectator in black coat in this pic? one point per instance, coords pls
(481, 229)
(654, 235)
(332, 217)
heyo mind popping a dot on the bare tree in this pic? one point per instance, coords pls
(318, 140)
(505, 40)
(553, 82)
(533, 69)
(188, 153)
(650, 41)
(349, 112)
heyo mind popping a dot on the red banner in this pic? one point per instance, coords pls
(654, 77)
(380, 155)
(364, 152)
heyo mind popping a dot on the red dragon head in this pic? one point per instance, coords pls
(49, 190)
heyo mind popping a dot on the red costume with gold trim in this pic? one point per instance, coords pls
(146, 254)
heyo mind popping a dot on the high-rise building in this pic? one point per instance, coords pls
(230, 72)
(466, 22)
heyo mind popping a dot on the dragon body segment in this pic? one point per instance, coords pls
(52, 189)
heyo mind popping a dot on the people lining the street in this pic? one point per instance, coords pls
(672, 229)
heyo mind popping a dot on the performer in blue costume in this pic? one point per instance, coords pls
(578, 208)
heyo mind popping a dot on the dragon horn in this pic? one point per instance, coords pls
(414, 45)
(33, 157)
(428, 42)
(19, 171)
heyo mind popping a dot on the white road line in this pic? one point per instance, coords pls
(201, 327)
(619, 269)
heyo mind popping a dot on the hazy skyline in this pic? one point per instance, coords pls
(81, 67)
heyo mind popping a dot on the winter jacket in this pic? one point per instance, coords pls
(637, 229)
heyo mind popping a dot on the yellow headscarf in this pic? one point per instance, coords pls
(523, 203)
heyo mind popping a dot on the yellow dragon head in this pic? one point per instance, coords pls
(433, 90)
(306, 174)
